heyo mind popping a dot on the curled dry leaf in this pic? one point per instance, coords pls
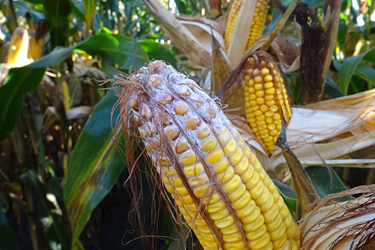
(341, 225)
(316, 130)
(203, 32)
(286, 53)
(184, 40)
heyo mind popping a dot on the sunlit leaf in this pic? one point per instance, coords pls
(348, 68)
(95, 165)
(22, 9)
(77, 9)
(158, 52)
(288, 194)
(122, 51)
(367, 73)
(89, 7)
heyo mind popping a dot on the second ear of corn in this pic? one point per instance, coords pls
(217, 182)
(18, 48)
(265, 96)
(257, 24)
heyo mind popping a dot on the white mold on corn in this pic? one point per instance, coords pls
(218, 184)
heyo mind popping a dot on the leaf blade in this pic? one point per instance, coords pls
(90, 178)
(19, 81)
(348, 68)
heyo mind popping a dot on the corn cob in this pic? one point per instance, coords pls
(265, 93)
(257, 24)
(217, 182)
(18, 48)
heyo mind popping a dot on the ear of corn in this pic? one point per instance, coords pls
(18, 48)
(257, 24)
(265, 95)
(218, 184)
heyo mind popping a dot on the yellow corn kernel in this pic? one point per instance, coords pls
(256, 234)
(225, 175)
(241, 202)
(230, 147)
(215, 156)
(203, 131)
(232, 185)
(193, 170)
(188, 158)
(226, 222)
(234, 196)
(209, 144)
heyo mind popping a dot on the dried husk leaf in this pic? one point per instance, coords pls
(221, 69)
(321, 130)
(204, 32)
(331, 11)
(340, 225)
(217, 24)
(286, 53)
(179, 34)
(305, 191)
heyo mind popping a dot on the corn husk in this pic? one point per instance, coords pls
(205, 30)
(18, 48)
(240, 33)
(325, 130)
(345, 225)
(184, 40)
(286, 53)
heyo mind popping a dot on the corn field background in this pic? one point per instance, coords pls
(63, 176)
